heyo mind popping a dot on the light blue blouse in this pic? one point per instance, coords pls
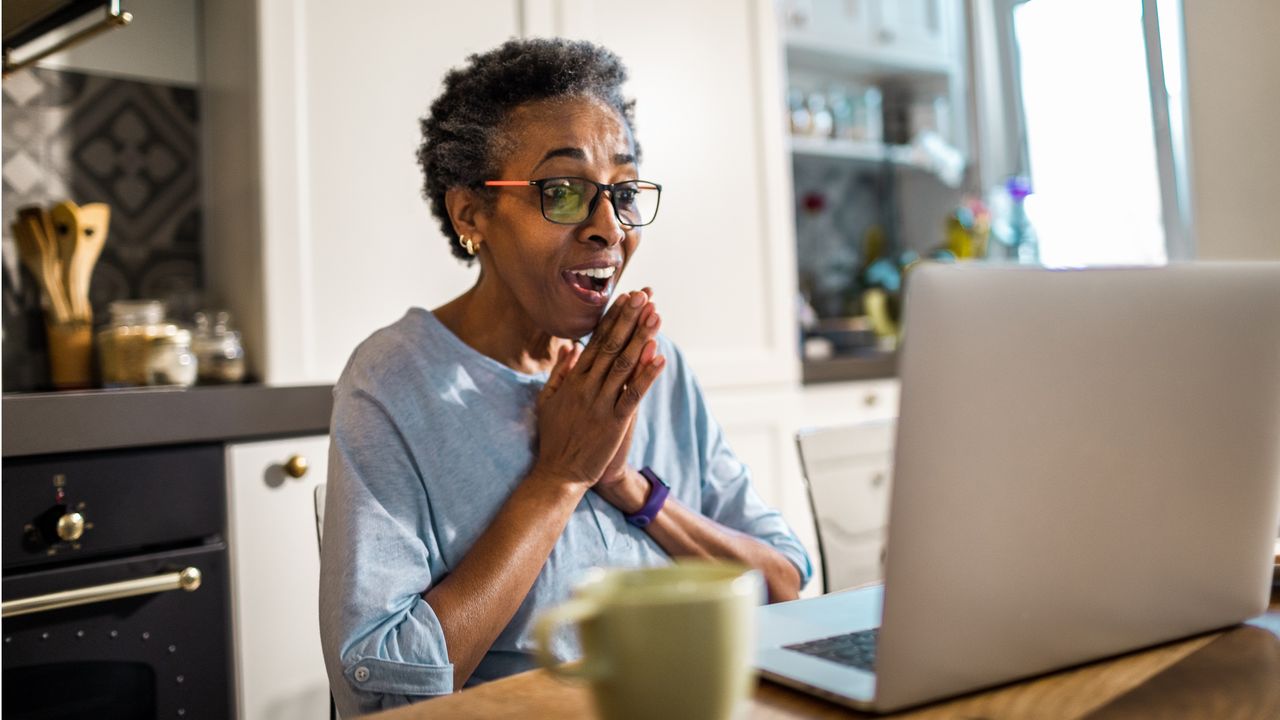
(429, 438)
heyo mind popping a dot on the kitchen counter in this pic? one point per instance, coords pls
(843, 368)
(39, 423)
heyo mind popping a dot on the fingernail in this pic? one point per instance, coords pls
(652, 321)
(650, 349)
(637, 299)
(659, 361)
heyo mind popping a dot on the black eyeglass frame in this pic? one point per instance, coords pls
(591, 205)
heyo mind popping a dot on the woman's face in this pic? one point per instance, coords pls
(541, 263)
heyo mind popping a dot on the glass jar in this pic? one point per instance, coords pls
(170, 360)
(219, 354)
(821, 114)
(123, 345)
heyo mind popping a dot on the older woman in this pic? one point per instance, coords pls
(482, 459)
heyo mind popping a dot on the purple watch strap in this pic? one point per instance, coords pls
(658, 492)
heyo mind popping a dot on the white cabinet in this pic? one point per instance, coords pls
(911, 34)
(317, 233)
(275, 563)
(915, 31)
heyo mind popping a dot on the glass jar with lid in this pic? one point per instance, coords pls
(169, 358)
(124, 343)
(219, 354)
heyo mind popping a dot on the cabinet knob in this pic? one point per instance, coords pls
(71, 527)
(296, 466)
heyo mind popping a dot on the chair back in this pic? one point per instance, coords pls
(319, 513)
(319, 496)
(847, 472)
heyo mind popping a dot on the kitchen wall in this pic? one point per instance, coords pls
(1234, 98)
(114, 120)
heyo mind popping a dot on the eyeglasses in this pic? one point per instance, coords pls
(571, 200)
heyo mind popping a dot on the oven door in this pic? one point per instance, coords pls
(162, 654)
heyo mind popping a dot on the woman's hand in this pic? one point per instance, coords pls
(586, 409)
(616, 472)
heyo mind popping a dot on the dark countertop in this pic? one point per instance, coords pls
(39, 423)
(841, 368)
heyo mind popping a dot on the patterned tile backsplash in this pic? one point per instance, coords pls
(89, 138)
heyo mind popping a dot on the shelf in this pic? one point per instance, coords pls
(850, 367)
(857, 150)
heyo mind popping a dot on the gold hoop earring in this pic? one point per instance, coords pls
(467, 244)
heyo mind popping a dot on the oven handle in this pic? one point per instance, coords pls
(187, 579)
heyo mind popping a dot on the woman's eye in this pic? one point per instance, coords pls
(561, 193)
(625, 196)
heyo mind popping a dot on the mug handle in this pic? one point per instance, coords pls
(572, 612)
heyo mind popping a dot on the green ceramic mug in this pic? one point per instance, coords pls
(662, 643)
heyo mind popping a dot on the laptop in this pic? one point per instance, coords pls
(1087, 463)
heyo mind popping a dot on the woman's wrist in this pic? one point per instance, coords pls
(559, 482)
(628, 493)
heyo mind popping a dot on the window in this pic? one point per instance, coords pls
(1108, 171)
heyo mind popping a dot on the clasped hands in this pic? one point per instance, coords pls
(586, 412)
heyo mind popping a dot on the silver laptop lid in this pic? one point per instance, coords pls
(1087, 463)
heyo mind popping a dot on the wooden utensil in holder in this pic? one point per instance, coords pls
(59, 248)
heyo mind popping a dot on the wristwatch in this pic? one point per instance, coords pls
(658, 491)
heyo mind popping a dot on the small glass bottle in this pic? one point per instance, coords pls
(798, 117)
(822, 119)
(170, 360)
(218, 350)
(123, 345)
(1024, 244)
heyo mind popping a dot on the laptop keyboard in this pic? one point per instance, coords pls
(856, 649)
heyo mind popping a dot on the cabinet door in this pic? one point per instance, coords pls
(275, 561)
(915, 31)
(319, 234)
(845, 24)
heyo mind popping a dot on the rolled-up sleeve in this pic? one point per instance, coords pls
(383, 644)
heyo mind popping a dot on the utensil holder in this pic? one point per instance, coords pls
(70, 355)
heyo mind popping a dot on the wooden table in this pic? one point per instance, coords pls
(1220, 676)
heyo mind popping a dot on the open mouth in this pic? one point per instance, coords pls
(591, 284)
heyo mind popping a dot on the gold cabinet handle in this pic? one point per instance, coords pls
(296, 466)
(187, 579)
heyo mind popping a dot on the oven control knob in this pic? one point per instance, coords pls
(71, 526)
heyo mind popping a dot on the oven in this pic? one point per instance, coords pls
(115, 587)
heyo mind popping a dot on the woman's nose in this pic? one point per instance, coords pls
(603, 226)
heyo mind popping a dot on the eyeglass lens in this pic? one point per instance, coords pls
(570, 200)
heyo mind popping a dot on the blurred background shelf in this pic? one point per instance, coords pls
(851, 367)
(860, 150)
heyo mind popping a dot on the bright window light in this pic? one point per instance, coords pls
(1090, 141)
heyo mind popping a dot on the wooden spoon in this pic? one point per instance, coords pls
(84, 230)
(96, 219)
(41, 255)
